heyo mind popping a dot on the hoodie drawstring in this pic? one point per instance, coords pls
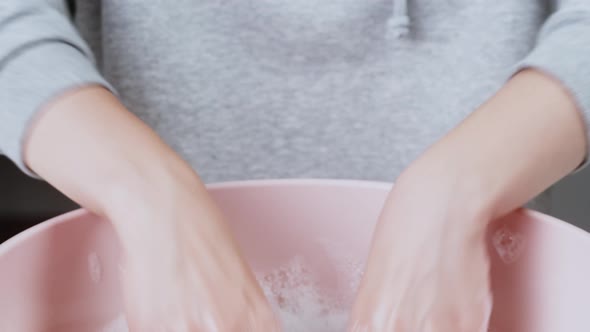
(399, 22)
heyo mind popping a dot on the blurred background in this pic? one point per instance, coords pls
(25, 202)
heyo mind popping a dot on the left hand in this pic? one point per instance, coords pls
(428, 270)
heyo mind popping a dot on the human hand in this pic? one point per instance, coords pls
(183, 273)
(428, 269)
(182, 269)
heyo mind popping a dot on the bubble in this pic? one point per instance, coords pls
(298, 302)
(508, 244)
(296, 299)
(94, 267)
(350, 268)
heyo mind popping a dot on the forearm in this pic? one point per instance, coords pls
(87, 145)
(524, 139)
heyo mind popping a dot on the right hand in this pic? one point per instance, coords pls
(182, 270)
(183, 273)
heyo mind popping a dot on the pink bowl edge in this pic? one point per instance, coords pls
(30, 232)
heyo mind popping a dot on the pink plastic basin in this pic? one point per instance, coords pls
(64, 271)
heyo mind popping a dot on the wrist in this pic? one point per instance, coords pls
(152, 199)
(457, 194)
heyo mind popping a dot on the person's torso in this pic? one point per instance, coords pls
(303, 88)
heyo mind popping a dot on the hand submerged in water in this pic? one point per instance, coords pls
(428, 270)
(184, 273)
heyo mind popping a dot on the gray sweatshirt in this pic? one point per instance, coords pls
(287, 88)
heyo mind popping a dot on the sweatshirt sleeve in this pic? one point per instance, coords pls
(41, 56)
(562, 51)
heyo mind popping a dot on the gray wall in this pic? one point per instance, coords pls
(572, 199)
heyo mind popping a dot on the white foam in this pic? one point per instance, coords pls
(509, 244)
(349, 267)
(295, 298)
(298, 302)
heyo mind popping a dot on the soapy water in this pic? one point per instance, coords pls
(296, 299)
(302, 306)
(298, 302)
(509, 244)
(349, 268)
